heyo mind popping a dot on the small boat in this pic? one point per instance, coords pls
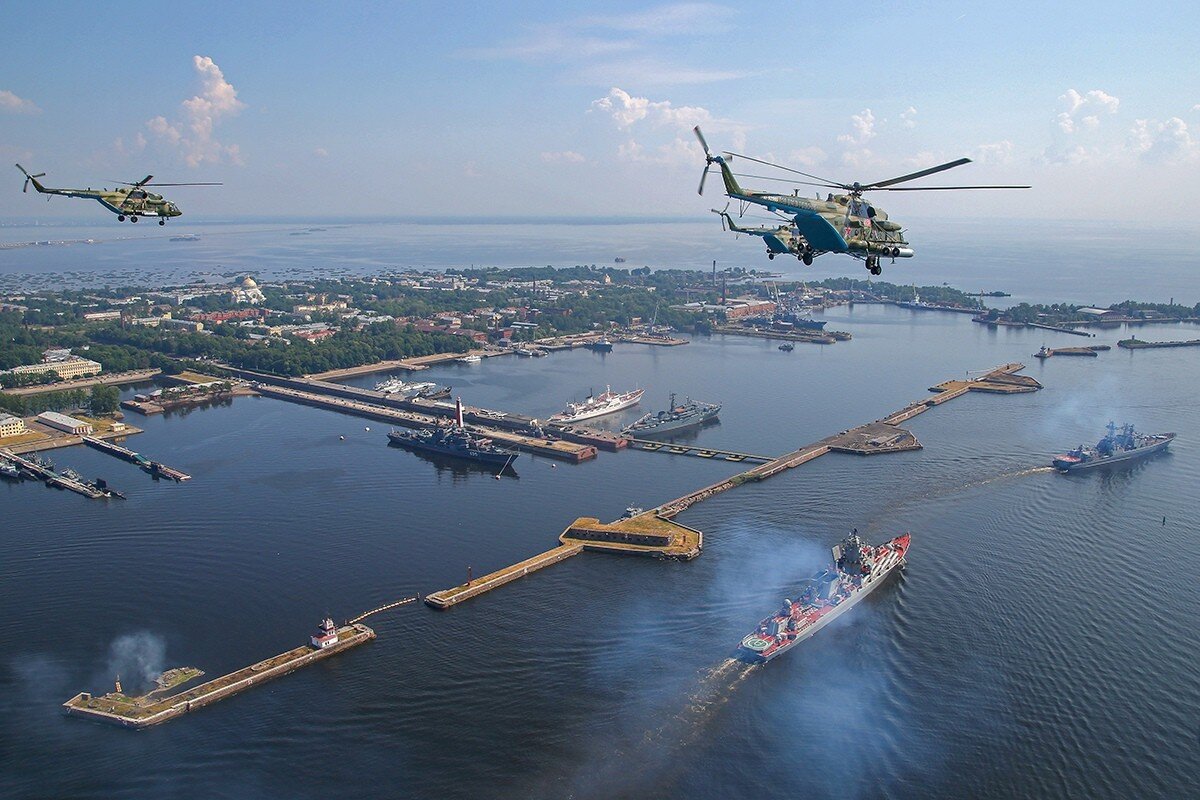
(787, 347)
(471, 359)
(10, 471)
(523, 352)
(603, 345)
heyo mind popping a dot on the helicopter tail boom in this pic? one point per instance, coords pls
(34, 180)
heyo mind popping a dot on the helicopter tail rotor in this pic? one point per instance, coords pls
(708, 158)
(29, 178)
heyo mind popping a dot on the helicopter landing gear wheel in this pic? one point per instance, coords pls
(120, 217)
(162, 222)
(873, 265)
(770, 256)
(133, 218)
(807, 258)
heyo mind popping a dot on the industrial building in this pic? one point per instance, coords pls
(64, 423)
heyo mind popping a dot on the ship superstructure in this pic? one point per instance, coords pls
(858, 568)
(677, 417)
(607, 402)
(1116, 446)
(454, 440)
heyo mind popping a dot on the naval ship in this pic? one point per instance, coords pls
(1117, 446)
(857, 569)
(607, 402)
(675, 418)
(455, 440)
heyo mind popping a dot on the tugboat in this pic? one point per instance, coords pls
(455, 440)
(1116, 446)
(787, 347)
(1043, 352)
(608, 402)
(857, 569)
(675, 418)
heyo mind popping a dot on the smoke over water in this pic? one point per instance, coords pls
(138, 658)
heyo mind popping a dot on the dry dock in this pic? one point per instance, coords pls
(656, 533)
(144, 711)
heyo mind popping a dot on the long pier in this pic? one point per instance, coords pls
(142, 712)
(655, 532)
(152, 467)
(651, 446)
(51, 477)
(550, 448)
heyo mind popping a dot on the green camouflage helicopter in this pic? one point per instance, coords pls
(133, 202)
(841, 223)
(779, 239)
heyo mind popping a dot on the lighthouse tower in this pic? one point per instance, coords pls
(326, 635)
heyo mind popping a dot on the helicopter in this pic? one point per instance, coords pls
(133, 202)
(841, 223)
(780, 239)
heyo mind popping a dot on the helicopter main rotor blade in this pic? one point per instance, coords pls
(703, 142)
(146, 182)
(789, 180)
(824, 181)
(936, 188)
(915, 175)
(703, 177)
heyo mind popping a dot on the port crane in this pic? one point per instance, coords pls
(132, 203)
(845, 222)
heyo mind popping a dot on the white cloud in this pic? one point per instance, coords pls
(1095, 101)
(17, 105)
(864, 128)
(563, 157)
(626, 110)
(994, 152)
(194, 132)
(807, 156)
(1168, 141)
(908, 117)
(321, 152)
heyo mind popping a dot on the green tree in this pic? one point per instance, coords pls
(104, 399)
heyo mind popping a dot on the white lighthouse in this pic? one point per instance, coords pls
(326, 635)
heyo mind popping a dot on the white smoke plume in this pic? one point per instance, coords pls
(138, 658)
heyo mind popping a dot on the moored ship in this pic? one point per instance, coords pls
(607, 402)
(857, 569)
(454, 440)
(675, 418)
(1116, 446)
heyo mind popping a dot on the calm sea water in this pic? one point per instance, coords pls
(1040, 643)
(1093, 262)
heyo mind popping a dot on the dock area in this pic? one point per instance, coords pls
(803, 335)
(1059, 329)
(146, 710)
(644, 534)
(1140, 344)
(154, 468)
(655, 532)
(652, 446)
(550, 448)
(40, 438)
(1092, 352)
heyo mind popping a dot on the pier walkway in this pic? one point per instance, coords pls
(152, 467)
(652, 446)
(647, 533)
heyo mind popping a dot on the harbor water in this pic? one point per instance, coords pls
(1040, 642)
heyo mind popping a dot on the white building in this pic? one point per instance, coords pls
(11, 426)
(67, 368)
(64, 423)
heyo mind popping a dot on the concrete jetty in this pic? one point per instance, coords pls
(152, 467)
(644, 534)
(142, 712)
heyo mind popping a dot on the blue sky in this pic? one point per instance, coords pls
(558, 108)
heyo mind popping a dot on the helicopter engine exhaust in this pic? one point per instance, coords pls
(902, 252)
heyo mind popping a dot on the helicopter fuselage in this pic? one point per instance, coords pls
(133, 202)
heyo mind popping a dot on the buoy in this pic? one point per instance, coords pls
(554, 466)
(342, 438)
(497, 477)
(368, 429)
